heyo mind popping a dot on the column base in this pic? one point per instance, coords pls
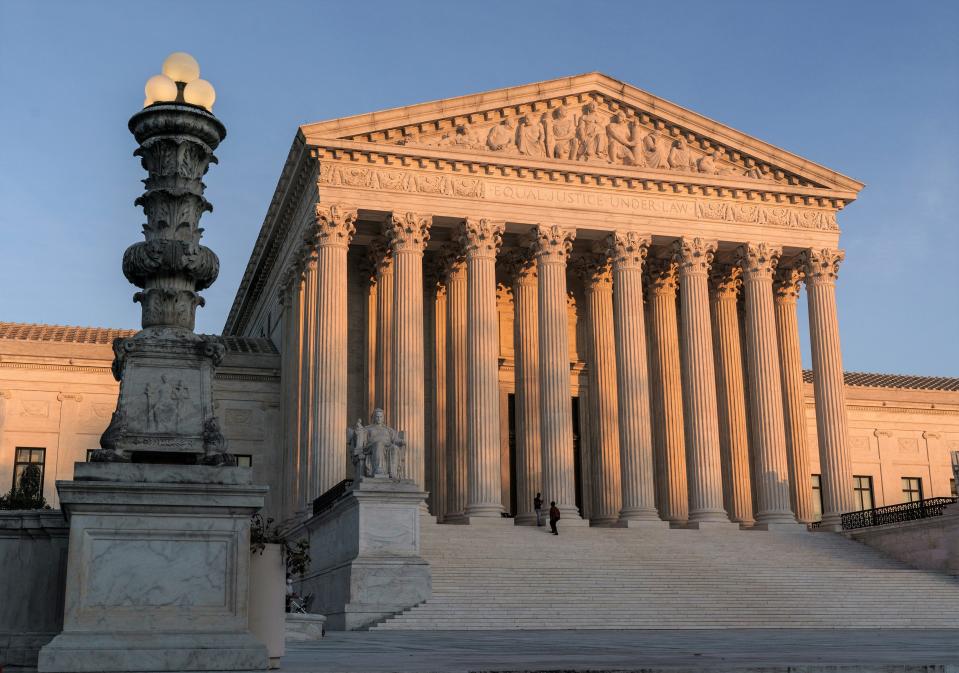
(525, 519)
(604, 522)
(711, 524)
(643, 524)
(484, 511)
(457, 519)
(777, 527)
(488, 520)
(569, 518)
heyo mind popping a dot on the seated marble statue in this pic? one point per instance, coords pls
(377, 450)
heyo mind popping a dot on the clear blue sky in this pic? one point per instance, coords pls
(868, 88)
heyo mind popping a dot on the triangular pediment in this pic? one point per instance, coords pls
(592, 120)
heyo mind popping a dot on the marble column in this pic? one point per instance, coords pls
(771, 474)
(726, 283)
(821, 266)
(332, 233)
(307, 371)
(551, 245)
(607, 496)
(627, 251)
(666, 387)
(521, 269)
(382, 258)
(408, 234)
(438, 342)
(703, 468)
(786, 294)
(481, 239)
(456, 487)
(289, 287)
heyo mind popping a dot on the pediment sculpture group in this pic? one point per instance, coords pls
(377, 450)
(590, 136)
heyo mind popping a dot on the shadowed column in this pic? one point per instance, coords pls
(291, 300)
(669, 436)
(695, 256)
(628, 250)
(332, 234)
(786, 294)
(758, 261)
(481, 240)
(726, 283)
(408, 234)
(521, 269)
(551, 246)
(455, 384)
(822, 269)
(307, 370)
(596, 272)
(382, 258)
(437, 343)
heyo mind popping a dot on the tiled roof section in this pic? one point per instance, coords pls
(61, 333)
(18, 331)
(870, 380)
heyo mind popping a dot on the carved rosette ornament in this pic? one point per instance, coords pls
(662, 276)
(694, 255)
(628, 249)
(519, 266)
(758, 260)
(165, 407)
(595, 270)
(821, 265)
(551, 243)
(481, 237)
(335, 225)
(726, 281)
(408, 232)
(786, 283)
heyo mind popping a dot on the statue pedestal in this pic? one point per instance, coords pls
(157, 570)
(366, 554)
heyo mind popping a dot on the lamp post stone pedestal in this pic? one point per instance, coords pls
(159, 549)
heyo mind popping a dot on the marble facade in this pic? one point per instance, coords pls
(687, 401)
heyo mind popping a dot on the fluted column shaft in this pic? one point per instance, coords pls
(758, 261)
(627, 251)
(307, 372)
(786, 294)
(695, 256)
(526, 372)
(481, 240)
(551, 245)
(383, 378)
(456, 429)
(289, 377)
(332, 234)
(726, 281)
(607, 495)
(408, 234)
(669, 436)
(822, 268)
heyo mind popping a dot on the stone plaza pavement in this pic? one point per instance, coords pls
(715, 651)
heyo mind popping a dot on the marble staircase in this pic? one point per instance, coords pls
(518, 577)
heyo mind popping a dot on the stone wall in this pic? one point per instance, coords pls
(33, 556)
(927, 544)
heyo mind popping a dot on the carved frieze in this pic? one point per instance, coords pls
(626, 197)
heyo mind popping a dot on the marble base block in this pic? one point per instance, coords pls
(366, 555)
(157, 570)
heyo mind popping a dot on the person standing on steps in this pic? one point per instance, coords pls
(538, 508)
(553, 517)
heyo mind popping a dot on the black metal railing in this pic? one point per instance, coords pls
(906, 511)
(325, 501)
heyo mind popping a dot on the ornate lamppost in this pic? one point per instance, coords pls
(165, 409)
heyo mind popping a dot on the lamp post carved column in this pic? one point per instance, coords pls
(821, 266)
(695, 256)
(408, 234)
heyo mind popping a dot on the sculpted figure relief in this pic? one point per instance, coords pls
(596, 134)
(377, 450)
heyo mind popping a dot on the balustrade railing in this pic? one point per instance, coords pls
(326, 500)
(906, 511)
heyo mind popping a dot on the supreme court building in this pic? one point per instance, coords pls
(571, 287)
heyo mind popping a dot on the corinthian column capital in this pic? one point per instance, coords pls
(482, 237)
(628, 249)
(694, 255)
(726, 281)
(662, 276)
(335, 225)
(551, 243)
(408, 232)
(758, 260)
(519, 266)
(596, 271)
(786, 283)
(821, 265)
